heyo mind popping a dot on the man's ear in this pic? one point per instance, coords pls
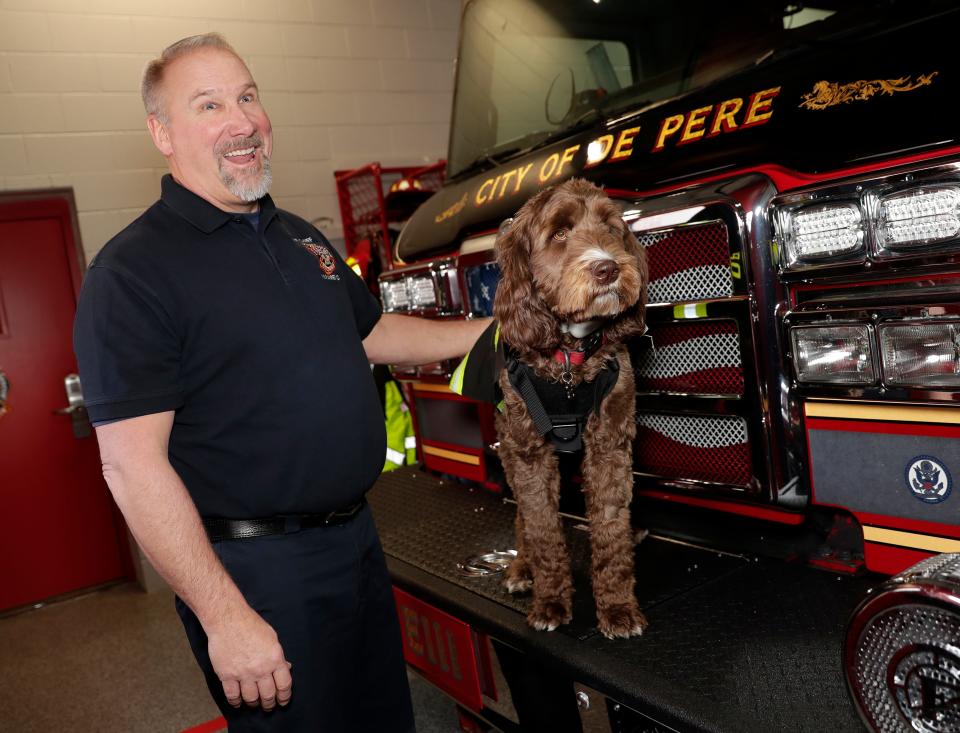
(160, 136)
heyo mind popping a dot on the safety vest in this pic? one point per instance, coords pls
(477, 374)
(401, 440)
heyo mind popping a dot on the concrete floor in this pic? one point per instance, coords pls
(117, 660)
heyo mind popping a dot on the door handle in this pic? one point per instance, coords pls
(4, 391)
(75, 408)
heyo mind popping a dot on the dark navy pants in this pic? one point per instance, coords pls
(327, 594)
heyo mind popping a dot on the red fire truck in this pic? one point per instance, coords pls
(793, 171)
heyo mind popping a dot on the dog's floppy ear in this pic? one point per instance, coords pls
(525, 322)
(632, 322)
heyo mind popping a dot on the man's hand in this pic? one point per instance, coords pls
(247, 657)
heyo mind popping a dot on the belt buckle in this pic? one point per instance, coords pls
(333, 517)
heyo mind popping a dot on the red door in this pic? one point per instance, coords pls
(60, 529)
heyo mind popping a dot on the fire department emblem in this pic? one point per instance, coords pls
(324, 256)
(928, 479)
(925, 680)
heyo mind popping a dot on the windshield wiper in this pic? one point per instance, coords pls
(485, 161)
(587, 119)
(492, 157)
(612, 105)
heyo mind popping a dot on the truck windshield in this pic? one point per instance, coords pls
(532, 70)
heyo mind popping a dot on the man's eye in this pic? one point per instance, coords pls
(209, 105)
(560, 235)
(246, 98)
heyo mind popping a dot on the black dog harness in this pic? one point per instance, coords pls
(560, 410)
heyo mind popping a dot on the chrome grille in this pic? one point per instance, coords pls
(895, 655)
(694, 355)
(697, 432)
(687, 263)
(901, 658)
(699, 357)
(700, 448)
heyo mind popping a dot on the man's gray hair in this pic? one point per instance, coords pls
(153, 74)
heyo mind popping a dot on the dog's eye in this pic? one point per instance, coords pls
(560, 235)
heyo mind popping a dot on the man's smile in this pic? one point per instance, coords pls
(241, 156)
(244, 153)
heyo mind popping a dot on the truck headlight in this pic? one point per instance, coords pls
(833, 354)
(819, 232)
(408, 293)
(431, 289)
(395, 295)
(921, 354)
(422, 293)
(920, 216)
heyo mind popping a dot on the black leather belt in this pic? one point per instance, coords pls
(238, 529)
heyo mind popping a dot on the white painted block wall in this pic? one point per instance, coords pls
(345, 82)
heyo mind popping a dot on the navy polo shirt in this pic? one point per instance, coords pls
(253, 338)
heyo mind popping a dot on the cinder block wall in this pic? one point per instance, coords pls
(345, 82)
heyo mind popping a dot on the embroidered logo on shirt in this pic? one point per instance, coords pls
(324, 257)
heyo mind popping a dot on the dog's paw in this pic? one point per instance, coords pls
(518, 578)
(640, 535)
(621, 621)
(548, 615)
(518, 585)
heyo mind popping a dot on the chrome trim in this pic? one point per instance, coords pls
(775, 437)
(706, 302)
(486, 564)
(592, 707)
(899, 626)
(704, 488)
(653, 223)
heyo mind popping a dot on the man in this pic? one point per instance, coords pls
(224, 351)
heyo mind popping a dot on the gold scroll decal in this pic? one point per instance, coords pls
(829, 94)
(451, 211)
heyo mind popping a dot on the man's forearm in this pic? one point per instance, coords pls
(244, 649)
(165, 523)
(408, 340)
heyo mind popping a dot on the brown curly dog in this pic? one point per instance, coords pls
(569, 264)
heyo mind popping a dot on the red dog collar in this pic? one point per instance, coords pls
(588, 347)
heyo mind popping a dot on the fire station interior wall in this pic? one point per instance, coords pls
(345, 82)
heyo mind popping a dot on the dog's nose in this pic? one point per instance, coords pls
(605, 271)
